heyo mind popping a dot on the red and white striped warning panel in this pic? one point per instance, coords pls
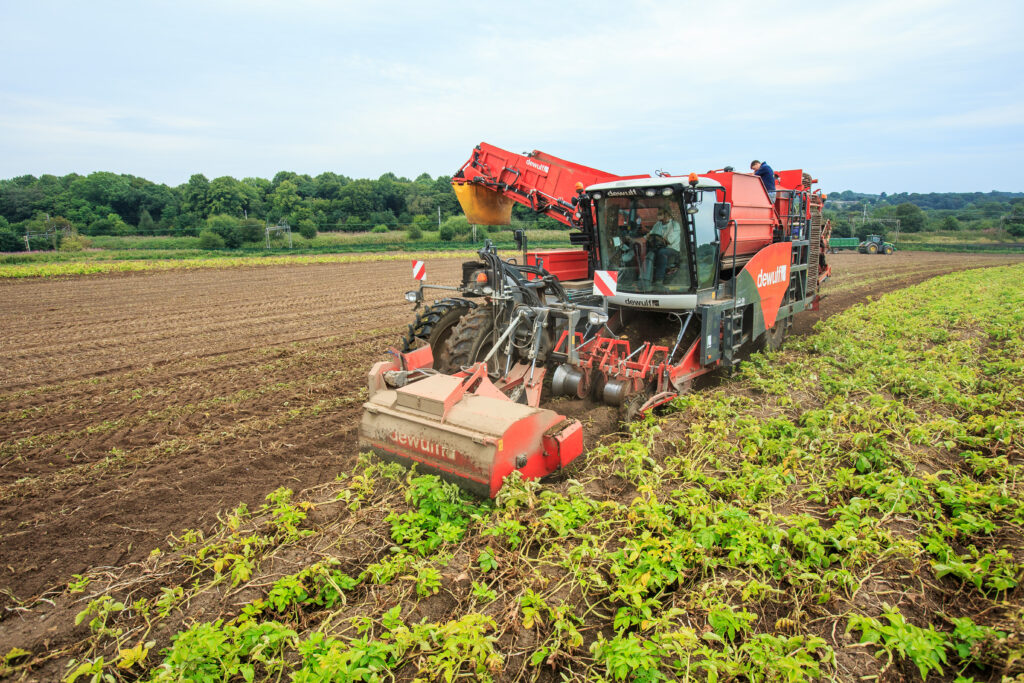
(605, 282)
(419, 270)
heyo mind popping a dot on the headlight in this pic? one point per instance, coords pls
(649, 193)
(412, 296)
(596, 195)
(667, 191)
(596, 318)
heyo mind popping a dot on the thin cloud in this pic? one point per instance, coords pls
(253, 88)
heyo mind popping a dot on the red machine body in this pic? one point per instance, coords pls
(751, 209)
(540, 181)
(462, 427)
(511, 322)
(565, 264)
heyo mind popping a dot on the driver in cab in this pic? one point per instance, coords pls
(663, 239)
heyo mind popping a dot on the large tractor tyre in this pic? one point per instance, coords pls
(775, 335)
(872, 248)
(888, 250)
(434, 326)
(471, 340)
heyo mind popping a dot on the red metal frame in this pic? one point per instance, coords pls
(615, 359)
(537, 180)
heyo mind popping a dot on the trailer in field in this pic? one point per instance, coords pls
(837, 243)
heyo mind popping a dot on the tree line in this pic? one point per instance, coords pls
(138, 206)
(235, 211)
(856, 214)
(105, 203)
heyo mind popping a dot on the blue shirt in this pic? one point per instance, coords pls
(767, 176)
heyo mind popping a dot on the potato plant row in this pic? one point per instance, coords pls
(849, 507)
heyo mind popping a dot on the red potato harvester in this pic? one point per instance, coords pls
(671, 277)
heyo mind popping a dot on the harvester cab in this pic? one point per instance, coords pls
(660, 238)
(672, 277)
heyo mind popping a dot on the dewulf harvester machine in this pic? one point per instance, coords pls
(673, 277)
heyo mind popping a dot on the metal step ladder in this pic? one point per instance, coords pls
(812, 260)
(732, 325)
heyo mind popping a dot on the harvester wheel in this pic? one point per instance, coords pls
(471, 340)
(775, 335)
(629, 411)
(434, 326)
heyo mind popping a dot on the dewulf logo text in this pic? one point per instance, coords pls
(644, 303)
(771, 278)
(424, 446)
(543, 168)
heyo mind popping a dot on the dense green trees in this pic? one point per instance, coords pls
(1015, 221)
(931, 200)
(992, 212)
(911, 217)
(9, 241)
(105, 203)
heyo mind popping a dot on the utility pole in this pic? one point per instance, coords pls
(50, 229)
(439, 217)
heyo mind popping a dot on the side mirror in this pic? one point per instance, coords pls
(723, 211)
(517, 237)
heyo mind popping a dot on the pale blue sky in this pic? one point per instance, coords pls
(871, 96)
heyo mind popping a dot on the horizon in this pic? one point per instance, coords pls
(921, 97)
(411, 179)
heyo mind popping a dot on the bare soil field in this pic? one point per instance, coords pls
(134, 406)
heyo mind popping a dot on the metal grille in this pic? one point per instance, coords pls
(815, 247)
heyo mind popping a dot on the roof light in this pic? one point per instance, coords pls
(693, 179)
(649, 193)
(666, 192)
(596, 195)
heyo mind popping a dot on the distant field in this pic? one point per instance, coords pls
(960, 240)
(397, 239)
(956, 237)
(111, 254)
(58, 268)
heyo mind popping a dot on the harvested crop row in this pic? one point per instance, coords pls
(92, 267)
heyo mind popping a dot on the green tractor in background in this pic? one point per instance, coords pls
(874, 244)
